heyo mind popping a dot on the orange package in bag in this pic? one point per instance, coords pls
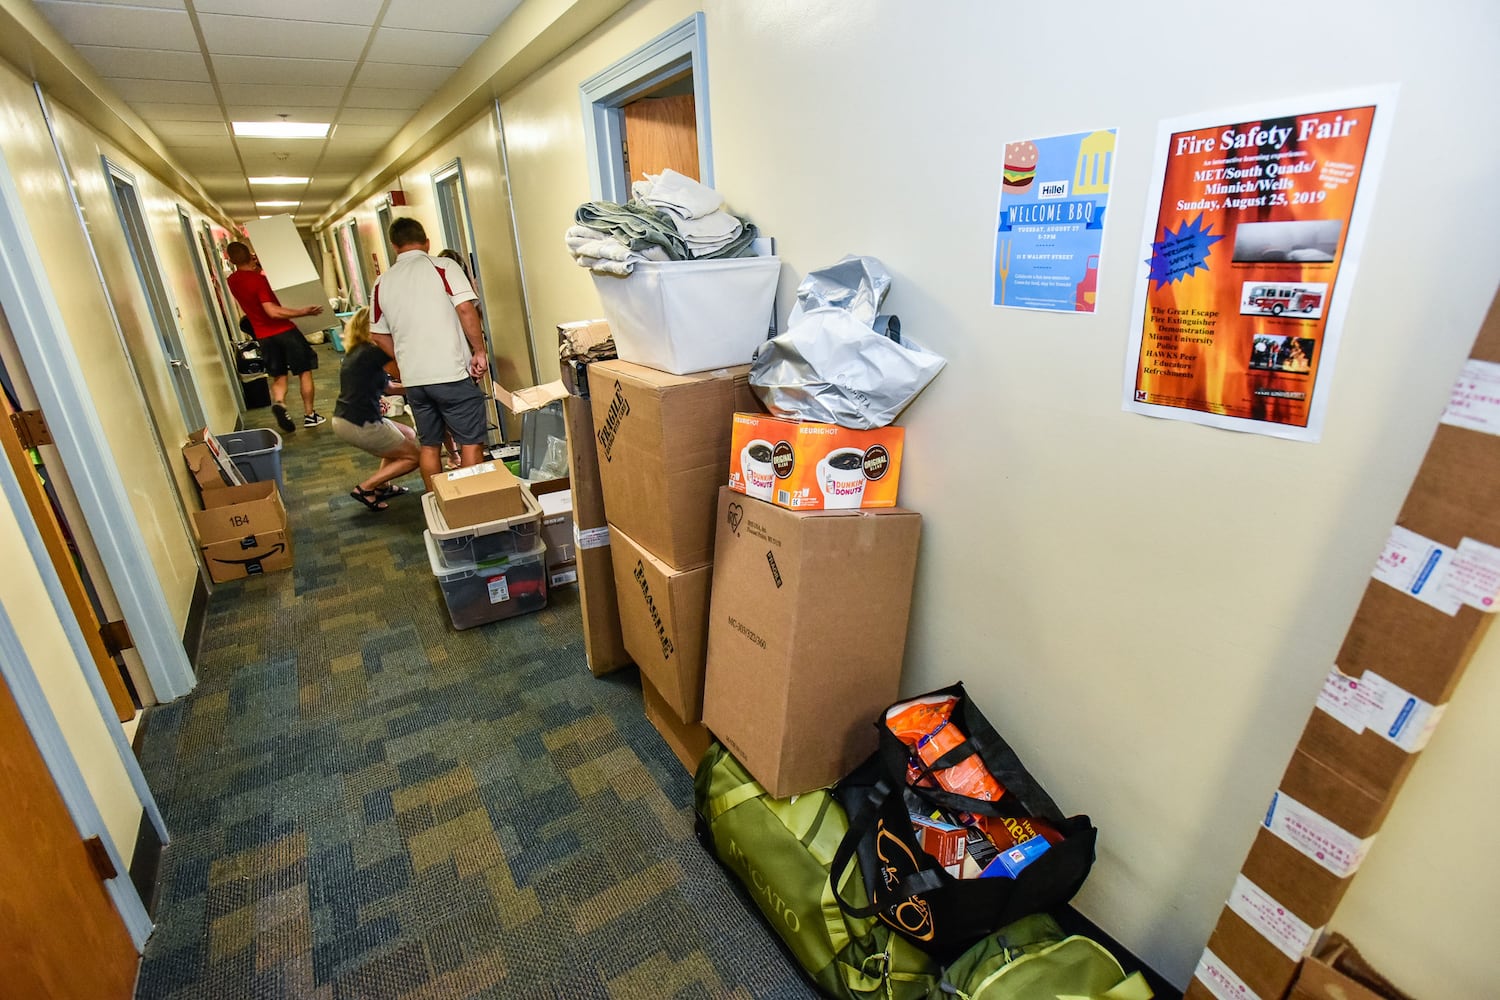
(926, 726)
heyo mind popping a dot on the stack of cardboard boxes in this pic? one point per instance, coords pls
(242, 529)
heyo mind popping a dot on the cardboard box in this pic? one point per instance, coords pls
(578, 344)
(812, 466)
(664, 618)
(663, 444)
(688, 740)
(476, 494)
(209, 464)
(557, 531)
(603, 644)
(1400, 660)
(1337, 971)
(806, 635)
(242, 531)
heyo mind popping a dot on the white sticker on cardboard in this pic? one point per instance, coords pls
(1319, 838)
(591, 538)
(1221, 980)
(499, 589)
(565, 577)
(1415, 565)
(1291, 935)
(471, 470)
(1344, 699)
(1474, 577)
(1398, 715)
(1475, 402)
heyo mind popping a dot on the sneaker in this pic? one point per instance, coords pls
(283, 418)
(313, 420)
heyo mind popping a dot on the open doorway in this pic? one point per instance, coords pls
(354, 265)
(213, 306)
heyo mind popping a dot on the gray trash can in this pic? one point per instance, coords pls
(256, 453)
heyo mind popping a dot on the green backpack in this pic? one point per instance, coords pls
(1031, 959)
(781, 850)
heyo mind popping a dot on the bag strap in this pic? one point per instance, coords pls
(739, 794)
(861, 824)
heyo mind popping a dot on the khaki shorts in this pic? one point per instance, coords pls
(379, 439)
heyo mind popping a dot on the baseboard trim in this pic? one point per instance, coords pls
(197, 620)
(1073, 922)
(145, 864)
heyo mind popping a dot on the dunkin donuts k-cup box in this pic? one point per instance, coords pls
(811, 466)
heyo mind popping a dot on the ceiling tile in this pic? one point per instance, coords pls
(162, 4)
(384, 74)
(181, 131)
(280, 93)
(263, 69)
(261, 36)
(164, 91)
(144, 64)
(478, 17)
(128, 27)
(430, 48)
(391, 118)
(381, 98)
(361, 12)
(362, 133)
(154, 112)
(271, 112)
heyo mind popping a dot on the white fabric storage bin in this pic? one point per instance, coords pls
(684, 316)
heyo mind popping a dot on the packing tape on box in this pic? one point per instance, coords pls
(1439, 576)
(1315, 836)
(591, 538)
(1291, 935)
(1220, 979)
(1374, 703)
(1475, 402)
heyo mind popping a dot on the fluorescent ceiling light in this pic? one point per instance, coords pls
(279, 180)
(281, 130)
(277, 204)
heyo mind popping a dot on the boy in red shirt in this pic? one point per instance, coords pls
(280, 341)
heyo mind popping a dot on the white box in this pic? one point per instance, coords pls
(684, 316)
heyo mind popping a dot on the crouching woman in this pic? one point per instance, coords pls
(357, 417)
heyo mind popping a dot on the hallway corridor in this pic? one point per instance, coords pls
(367, 804)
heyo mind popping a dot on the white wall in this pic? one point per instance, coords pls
(1145, 608)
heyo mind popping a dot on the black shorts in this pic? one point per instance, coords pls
(288, 351)
(460, 407)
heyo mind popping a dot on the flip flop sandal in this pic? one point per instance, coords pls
(387, 492)
(370, 498)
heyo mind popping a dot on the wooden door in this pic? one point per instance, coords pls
(661, 132)
(56, 541)
(60, 934)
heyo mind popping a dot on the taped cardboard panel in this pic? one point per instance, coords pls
(1258, 963)
(1365, 759)
(1410, 643)
(1302, 885)
(1456, 496)
(664, 619)
(1213, 978)
(1322, 788)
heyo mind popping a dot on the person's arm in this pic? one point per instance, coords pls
(468, 317)
(277, 311)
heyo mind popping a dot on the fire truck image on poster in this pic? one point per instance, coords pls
(1296, 300)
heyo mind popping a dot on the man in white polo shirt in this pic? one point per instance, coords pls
(423, 314)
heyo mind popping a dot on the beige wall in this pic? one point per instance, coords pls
(477, 148)
(1145, 608)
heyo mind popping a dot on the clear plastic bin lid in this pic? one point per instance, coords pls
(445, 569)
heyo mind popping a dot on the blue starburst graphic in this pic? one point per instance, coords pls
(1182, 253)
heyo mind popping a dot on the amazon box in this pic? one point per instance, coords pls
(242, 531)
(687, 740)
(603, 643)
(663, 616)
(478, 493)
(806, 635)
(663, 446)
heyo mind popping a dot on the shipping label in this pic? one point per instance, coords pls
(1372, 702)
(1417, 566)
(1475, 402)
(1317, 837)
(499, 589)
(1221, 980)
(1291, 935)
(1474, 577)
(591, 538)
(471, 470)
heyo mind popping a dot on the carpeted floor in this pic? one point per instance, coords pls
(364, 803)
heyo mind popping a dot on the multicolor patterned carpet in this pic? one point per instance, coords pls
(366, 804)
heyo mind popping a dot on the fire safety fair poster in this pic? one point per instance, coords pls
(1256, 221)
(1051, 221)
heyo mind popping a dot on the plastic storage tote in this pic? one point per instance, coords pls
(486, 543)
(479, 595)
(684, 316)
(256, 453)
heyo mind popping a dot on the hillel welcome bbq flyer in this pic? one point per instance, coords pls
(1257, 218)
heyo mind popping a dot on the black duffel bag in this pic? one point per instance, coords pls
(908, 888)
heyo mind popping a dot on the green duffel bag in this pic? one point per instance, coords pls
(780, 850)
(1032, 959)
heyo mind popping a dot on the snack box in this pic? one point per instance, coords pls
(812, 466)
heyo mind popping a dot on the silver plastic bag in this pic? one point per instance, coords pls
(855, 284)
(831, 368)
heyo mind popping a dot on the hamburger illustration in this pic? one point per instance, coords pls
(1020, 166)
